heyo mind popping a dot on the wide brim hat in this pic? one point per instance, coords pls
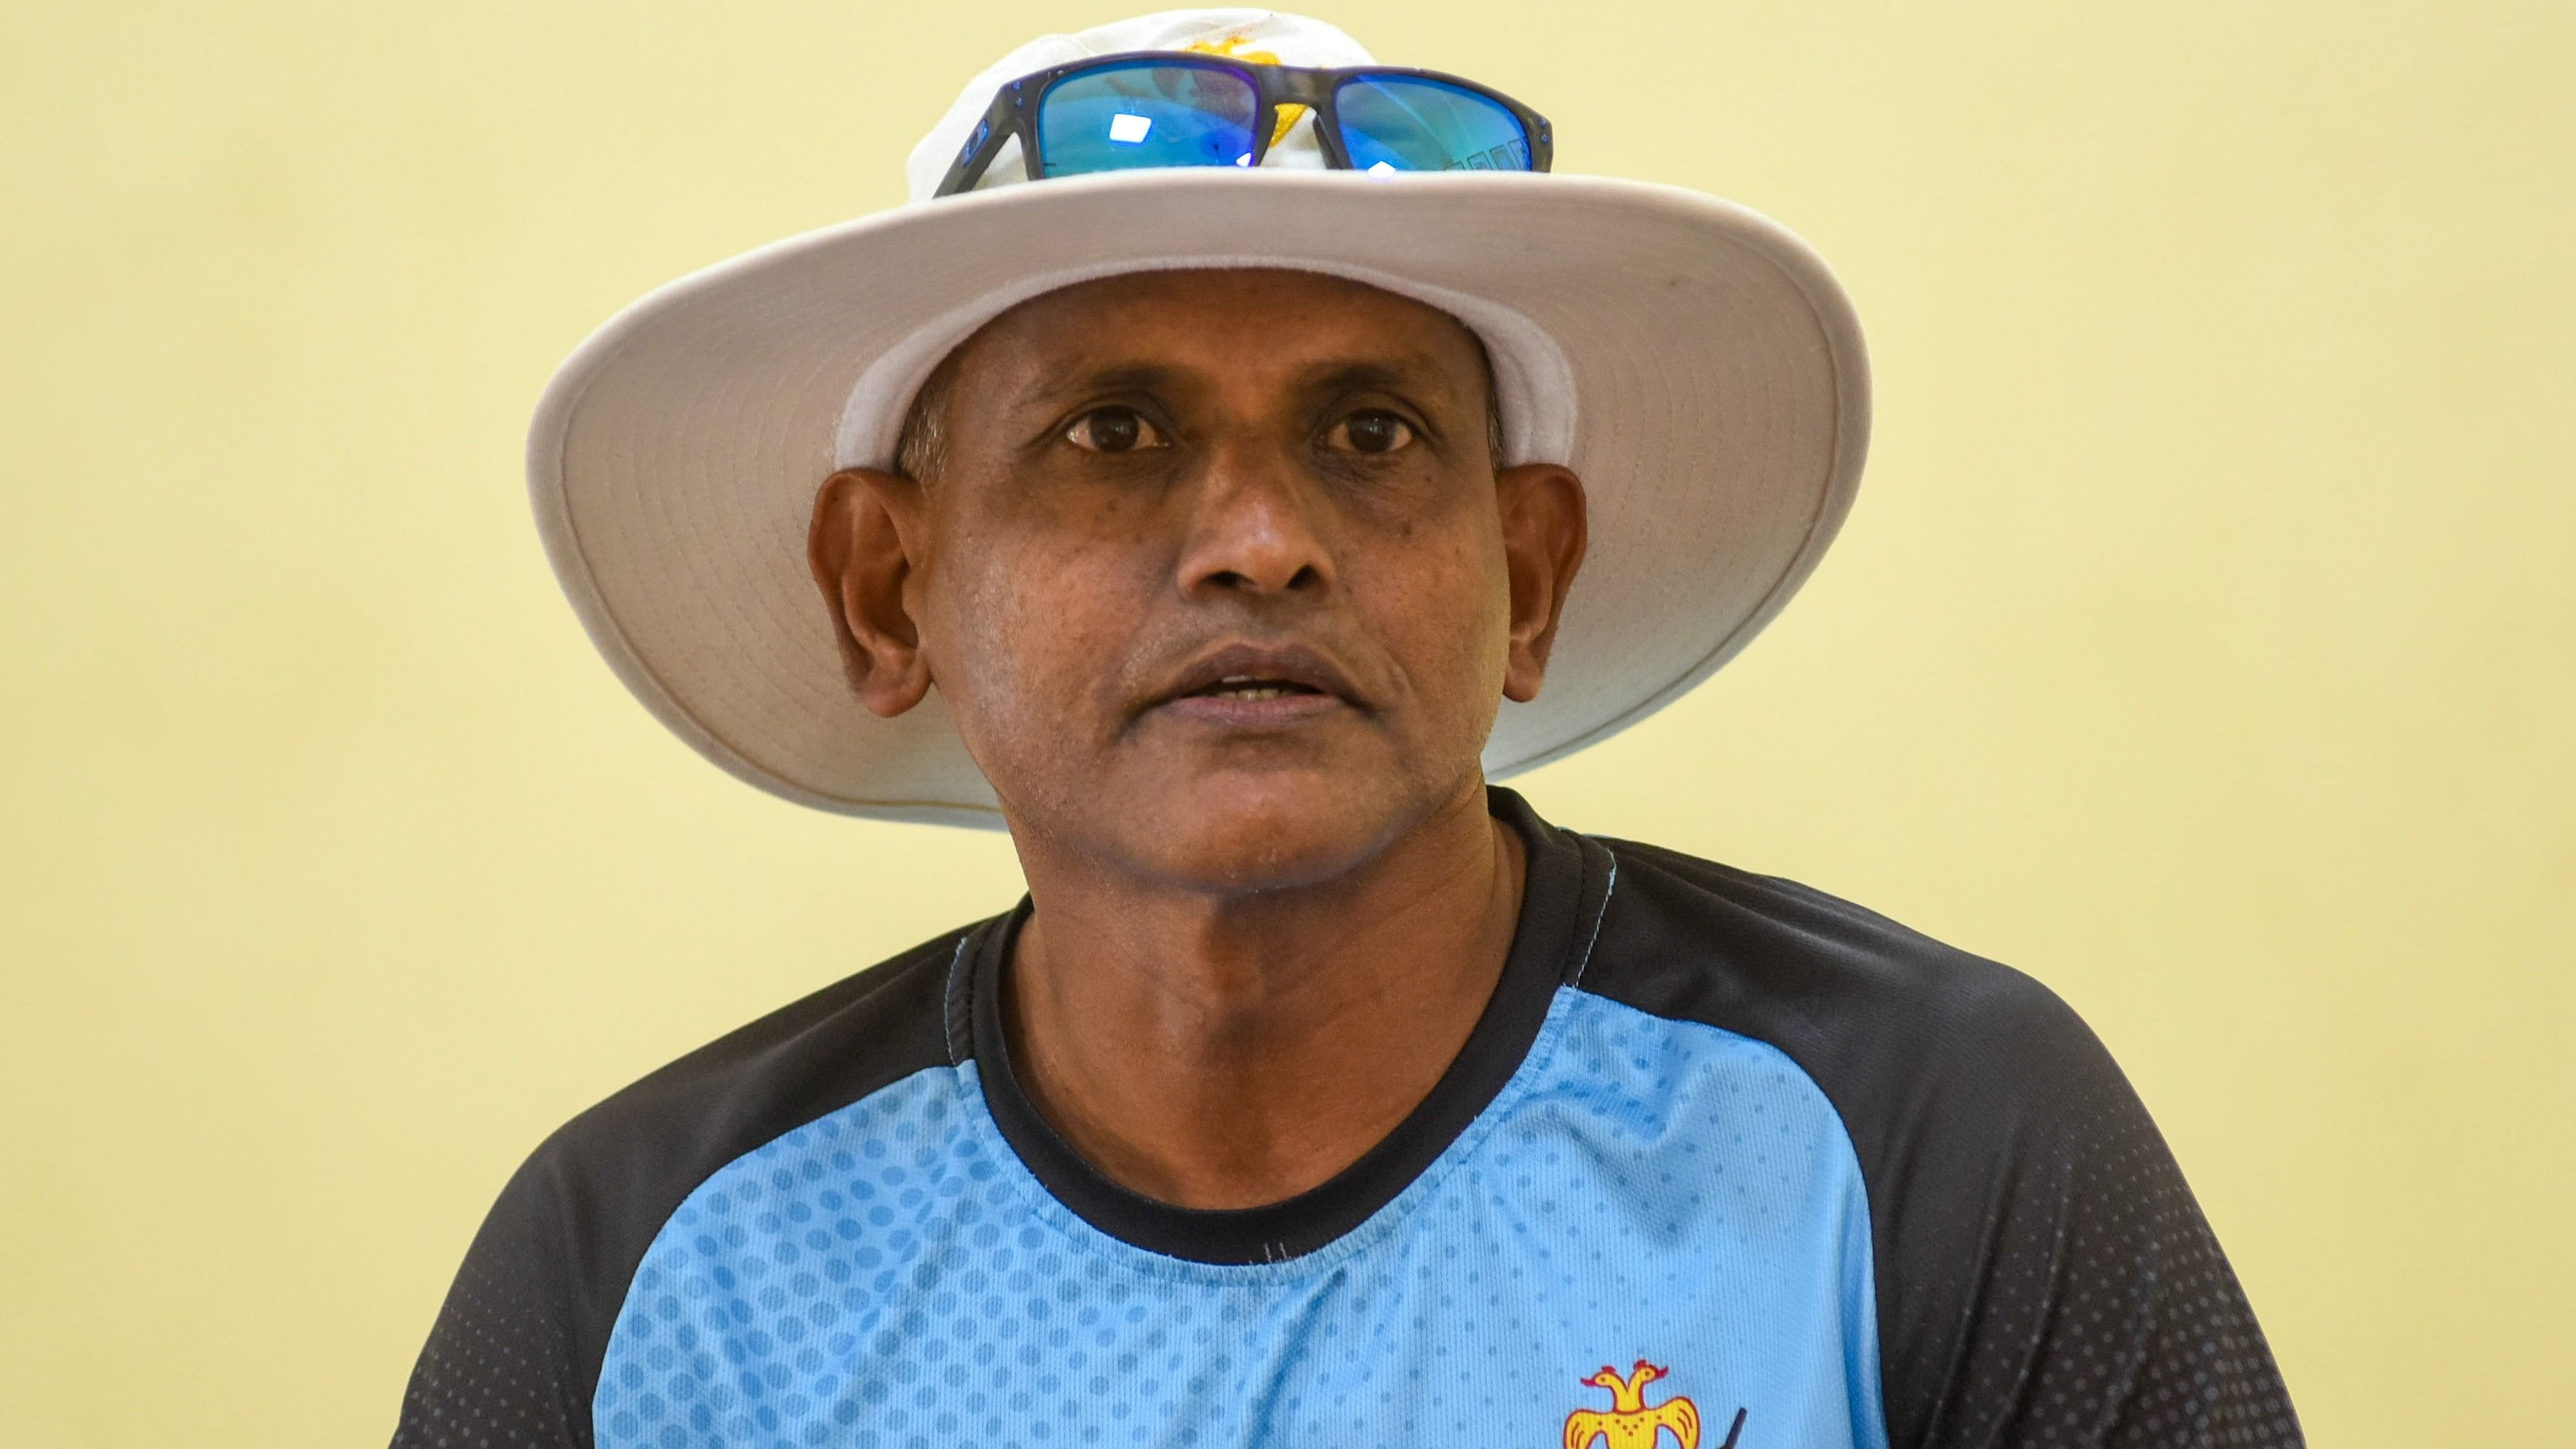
(1693, 361)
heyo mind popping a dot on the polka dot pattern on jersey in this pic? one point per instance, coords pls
(890, 1276)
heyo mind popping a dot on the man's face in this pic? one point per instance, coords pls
(1215, 571)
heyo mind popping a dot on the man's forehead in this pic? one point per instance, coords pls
(1277, 325)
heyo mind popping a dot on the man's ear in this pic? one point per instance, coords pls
(860, 548)
(1545, 529)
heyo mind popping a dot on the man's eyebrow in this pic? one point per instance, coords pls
(1407, 374)
(1126, 377)
(1404, 375)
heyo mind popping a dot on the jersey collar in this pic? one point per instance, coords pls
(1561, 902)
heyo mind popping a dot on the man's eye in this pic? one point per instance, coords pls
(1371, 432)
(1112, 430)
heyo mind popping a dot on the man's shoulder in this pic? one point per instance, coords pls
(2032, 1240)
(1882, 1017)
(658, 1138)
(522, 1335)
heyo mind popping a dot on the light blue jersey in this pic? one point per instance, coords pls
(1724, 1165)
(1642, 1189)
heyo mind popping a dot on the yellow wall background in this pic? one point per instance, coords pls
(2204, 640)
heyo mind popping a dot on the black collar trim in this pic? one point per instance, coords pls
(1567, 889)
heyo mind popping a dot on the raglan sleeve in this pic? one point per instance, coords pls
(2055, 1285)
(505, 1363)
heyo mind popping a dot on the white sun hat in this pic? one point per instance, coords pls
(1693, 361)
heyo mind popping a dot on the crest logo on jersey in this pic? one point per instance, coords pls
(1629, 1424)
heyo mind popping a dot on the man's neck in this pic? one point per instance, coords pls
(1231, 1051)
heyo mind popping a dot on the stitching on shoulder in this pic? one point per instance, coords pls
(948, 1001)
(1599, 914)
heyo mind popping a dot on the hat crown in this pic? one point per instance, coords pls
(1267, 37)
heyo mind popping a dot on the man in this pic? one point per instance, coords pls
(1217, 528)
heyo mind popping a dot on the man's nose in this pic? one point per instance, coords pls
(1254, 528)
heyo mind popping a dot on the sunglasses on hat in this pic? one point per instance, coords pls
(1173, 108)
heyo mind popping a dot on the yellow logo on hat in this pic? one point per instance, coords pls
(1232, 49)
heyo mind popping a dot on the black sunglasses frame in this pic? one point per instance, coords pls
(1014, 111)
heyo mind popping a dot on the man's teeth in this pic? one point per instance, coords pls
(1240, 687)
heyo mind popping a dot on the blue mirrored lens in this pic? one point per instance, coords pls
(1147, 113)
(1406, 123)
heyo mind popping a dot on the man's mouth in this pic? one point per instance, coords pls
(1245, 687)
(1259, 687)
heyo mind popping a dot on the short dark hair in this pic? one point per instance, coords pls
(921, 448)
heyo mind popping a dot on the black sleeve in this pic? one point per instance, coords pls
(502, 1365)
(2054, 1283)
(2045, 1279)
(514, 1357)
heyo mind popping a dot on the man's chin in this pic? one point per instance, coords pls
(1247, 830)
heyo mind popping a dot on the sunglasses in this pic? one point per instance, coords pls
(1168, 108)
